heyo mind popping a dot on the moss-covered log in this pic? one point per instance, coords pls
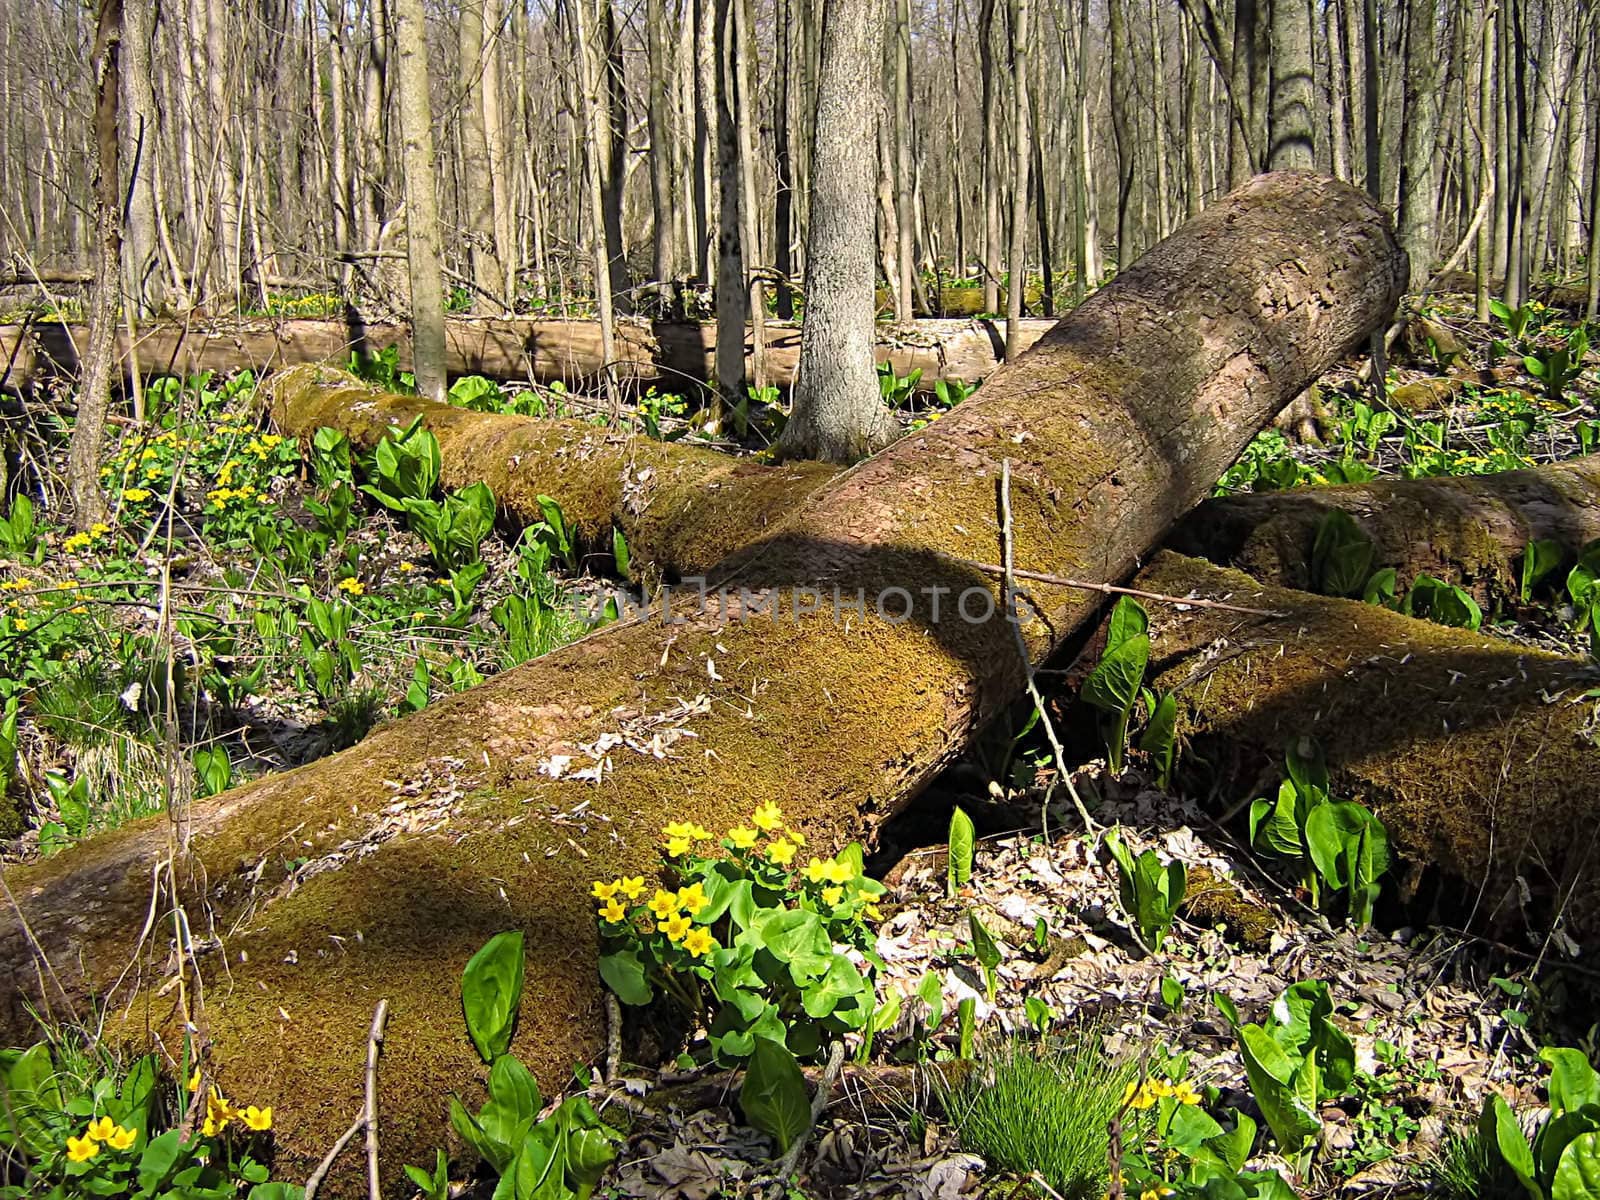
(660, 354)
(1479, 755)
(1471, 530)
(682, 507)
(377, 872)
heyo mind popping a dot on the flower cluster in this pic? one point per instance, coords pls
(87, 539)
(102, 1131)
(1146, 1094)
(670, 914)
(220, 1113)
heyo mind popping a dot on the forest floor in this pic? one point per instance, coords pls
(303, 611)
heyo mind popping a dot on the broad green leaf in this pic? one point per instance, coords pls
(1272, 1075)
(1498, 1127)
(1128, 619)
(623, 973)
(1113, 685)
(774, 1097)
(1160, 737)
(1578, 1172)
(619, 551)
(160, 1155)
(961, 847)
(491, 990)
(1307, 768)
(1539, 559)
(1381, 588)
(512, 1086)
(497, 1153)
(1574, 1082)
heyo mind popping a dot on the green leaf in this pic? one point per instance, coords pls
(1381, 588)
(1113, 685)
(931, 993)
(987, 952)
(1573, 1080)
(624, 974)
(160, 1156)
(489, 1147)
(491, 991)
(1578, 1172)
(1160, 736)
(961, 848)
(1128, 620)
(277, 1191)
(513, 1088)
(1341, 556)
(619, 551)
(1272, 1074)
(1498, 1127)
(1539, 559)
(774, 1096)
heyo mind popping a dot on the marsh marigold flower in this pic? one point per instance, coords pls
(258, 1119)
(663, 904)
(815, 871)
(832, 895)
(698, 942)
(675, 927)
(601, 890)
(352, 587)
(781, 852)
(742, 837)
(82, 1149)
(692, 898)
(631, 887)
(768, 817)
(121, 1138)
(614, 912)
(1184, 1093)
(100, 1129)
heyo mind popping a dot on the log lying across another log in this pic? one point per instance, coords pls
(1471, 530)
(377, 872)
(1480, 756)
(667, 355)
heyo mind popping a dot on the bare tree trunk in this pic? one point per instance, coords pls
(905, 217)
(100, 360)
(613, 148)
(990, 153)
(589, 67)
(659, 116)
(477, 172)
(1486, 152)
(1122, 128)
(837, 414)
(705, 107)
(1017, 267)
(733, 300)
(744, 94)
(1293, 141)
(1418, 195)
(422, 199)
(1593, 308)
(783, 217)
(146, 290)
(505, 247)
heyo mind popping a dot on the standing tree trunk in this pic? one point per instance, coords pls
(662, 266)
(905, 217)
(146, 290)
(1122, 129)
(1486, 151)
(744, 106)
(990, 154)
(477, 182)
(1418, 197)
(1293, 144)
(1593, 310)
(1017, 267)
(783, 217)
(589, 67)
(733, 302)
(837, 413)
(100, 359)
(422, 199)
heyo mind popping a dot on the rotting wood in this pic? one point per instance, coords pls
(1471, 530)
(1479, 755)
(664, 355)
(380, 870)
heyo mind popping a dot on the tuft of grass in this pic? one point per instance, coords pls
(1466, 1168)
(1043, 1107)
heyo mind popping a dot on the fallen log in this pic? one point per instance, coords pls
(665, 355)
(377, 872)
(1480, 756)
(1470, 530)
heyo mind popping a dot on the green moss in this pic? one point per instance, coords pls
(1212, 900)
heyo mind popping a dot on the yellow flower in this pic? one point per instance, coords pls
(406, 567)
(20, 624)
(218, 1111)
(743, 837)
(832, 895)
(121, 1138)
(631, 887)
(99, 529)
(816, 872)
(78, 610)
(100, 1129)
(353, 587)
(257, 1118)
(1137, 1095)
(78, 541)
(837, 872)
(1184, 1093)
(602, 891)
(136, 495)
(675, 927)
(767, 817)
(781, 852)
(698, 942)
(692, 898)
(872, 912)
(194, 1080)
(663, 904)
(614, 912)
(82, 1149)
(677, 847)
(795, 836)
(211, 1128)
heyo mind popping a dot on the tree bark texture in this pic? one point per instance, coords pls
(1478, 755)
(422, 199)
(377, 872)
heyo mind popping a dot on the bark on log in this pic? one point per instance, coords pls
(1479, 755)
(377, 872)
(1470, 530)
(663, 354)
